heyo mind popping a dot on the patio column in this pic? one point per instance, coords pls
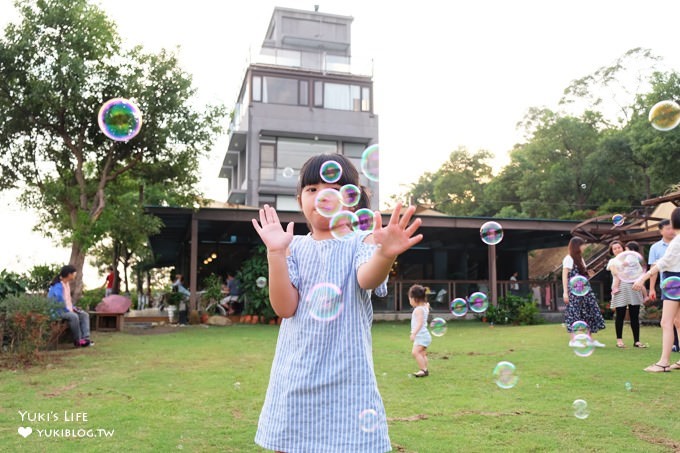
(193, 261)
(493, 289)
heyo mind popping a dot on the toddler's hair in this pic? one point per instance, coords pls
(417, 292)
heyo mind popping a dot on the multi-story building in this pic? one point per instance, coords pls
(303, 95)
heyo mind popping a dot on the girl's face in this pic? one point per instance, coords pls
(70, 277)
(616, 249)
(319, 223)
(583, 248)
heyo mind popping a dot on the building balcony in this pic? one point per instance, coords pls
(319, 61)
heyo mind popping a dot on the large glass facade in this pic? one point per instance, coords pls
(281, 158)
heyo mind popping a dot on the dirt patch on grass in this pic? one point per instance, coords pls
(651, 435)
(60, 390)
(153, 330)
(412, 418)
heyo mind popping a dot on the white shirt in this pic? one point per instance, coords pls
(670, 261)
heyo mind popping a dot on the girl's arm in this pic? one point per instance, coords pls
(395, 238)
(282, 294)
(565, 284)
(418, 314)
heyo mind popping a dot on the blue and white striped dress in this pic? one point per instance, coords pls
(322, 377)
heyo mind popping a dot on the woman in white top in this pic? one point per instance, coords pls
(579, 308)
(624, 299)
(669, 264)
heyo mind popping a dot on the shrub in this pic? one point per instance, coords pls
(26, 326)
(257, 299)
(11, 283)
(39, 277)
(91, 298)
(514, 310)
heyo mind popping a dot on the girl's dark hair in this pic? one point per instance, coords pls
(310, 171)
(611, 247)
(63, 273)
(416, 292)
(634, 246)
(675, 218)
(575, 252)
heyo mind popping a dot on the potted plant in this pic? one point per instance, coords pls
(212, 294)
(254, 287)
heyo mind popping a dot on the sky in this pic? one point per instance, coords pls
(446, 74)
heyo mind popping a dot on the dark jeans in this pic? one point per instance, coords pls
(79, 323)
(634, 311)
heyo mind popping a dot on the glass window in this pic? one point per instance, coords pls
(353, 149)
(365, 99)
(336, 96)
(266, 199)
(257, 89)
(355, 91)
(277, 90)
(304, 92)
(293, 152)
(267, 162)
(318, 93)
(287, 203)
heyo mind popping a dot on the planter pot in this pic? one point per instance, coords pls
(204, 318)
(255, 319)
(246, 319)
(172, 314)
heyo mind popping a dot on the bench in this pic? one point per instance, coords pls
(59, 334)
(107, 322)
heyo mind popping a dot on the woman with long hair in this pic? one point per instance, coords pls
(579, 307)
(60, 294)
(624, 298)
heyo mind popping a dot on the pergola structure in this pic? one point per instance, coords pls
(451, 248)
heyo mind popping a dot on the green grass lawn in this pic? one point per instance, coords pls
(201, 389)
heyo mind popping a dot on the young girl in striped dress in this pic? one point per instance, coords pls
(322, 394)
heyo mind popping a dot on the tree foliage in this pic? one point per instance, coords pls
(572, 166)
(58, 66)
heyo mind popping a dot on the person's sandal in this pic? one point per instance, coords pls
(675, 366)
(421, 373)
(621, 345)
(640, 345)
(658, 369)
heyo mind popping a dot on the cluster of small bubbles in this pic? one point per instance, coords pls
(438, 327)
(491, 233)
(618, 220)
(120, 119)
(261, 282)
(325, 302)
(369, 420)
(350, 195)
(582, 345)
(288, 172)
(478, 302)
(342, 224)
(459, 307)
(665, 115)
(366, 220)
(580, 409)
(330, 171)
(504, 375)
(670, 287)
(370, 162)
(328, 202)
(578, 285)
(630, 266)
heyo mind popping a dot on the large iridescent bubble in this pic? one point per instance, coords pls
(120, 119)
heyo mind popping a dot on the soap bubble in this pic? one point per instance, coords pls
(670, 287)
(370, 162)
(580, 409)
(629, 265)
(120, 119)
(288, 172)
(578, 285)
(478, 302)
(342, 224)
(504, 375)
(618, 220)
(330, 171)
(665, 115)
(582, 345)
(491, 233)
(584, 187)
(261, 282)
(325, 300)
(459, 307)
(350, 195)
(328, 202)
(366, 220)
(369, 420)
(438, 327)
(628, 386)
(580, 327)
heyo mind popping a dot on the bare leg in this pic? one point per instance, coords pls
(420, 354)
(669, 316)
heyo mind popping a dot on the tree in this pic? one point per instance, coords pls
(456, 187)
(58, 66)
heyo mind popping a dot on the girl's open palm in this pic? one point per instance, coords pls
(271, 232)
(397, 236)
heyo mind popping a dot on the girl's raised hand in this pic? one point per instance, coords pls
(397, 236)
(271, 232)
